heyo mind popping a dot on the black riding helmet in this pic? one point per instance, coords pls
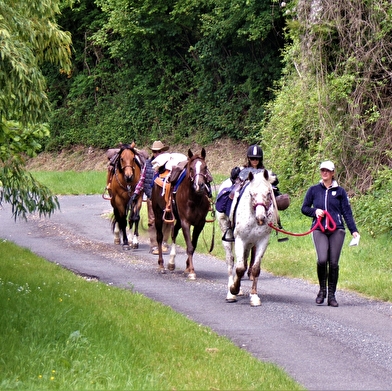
(254, 151)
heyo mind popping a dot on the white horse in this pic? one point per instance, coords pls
(255, 209)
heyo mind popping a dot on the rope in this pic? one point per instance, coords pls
(329, 222)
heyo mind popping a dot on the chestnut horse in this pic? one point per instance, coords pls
(190, 206)
(125, 178)
(251, 232)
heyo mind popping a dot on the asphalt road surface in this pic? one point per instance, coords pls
(323, 348)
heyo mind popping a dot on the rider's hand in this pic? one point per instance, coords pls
(319, 213)
(133, 198)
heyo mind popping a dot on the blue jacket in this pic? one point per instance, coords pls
(334, 200)
(149, 179)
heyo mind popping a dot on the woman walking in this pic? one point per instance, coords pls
(328, 196)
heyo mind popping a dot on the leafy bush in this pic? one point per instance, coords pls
(374, 209)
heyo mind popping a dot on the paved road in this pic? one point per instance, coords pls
(323, 348)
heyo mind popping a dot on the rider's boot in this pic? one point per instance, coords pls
(332, 282)
(322, 277)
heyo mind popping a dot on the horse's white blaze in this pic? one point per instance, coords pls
(198, 165)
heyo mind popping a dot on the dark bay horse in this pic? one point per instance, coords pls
(125, 178)
(190, 206)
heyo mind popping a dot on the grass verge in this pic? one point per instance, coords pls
(60, 331)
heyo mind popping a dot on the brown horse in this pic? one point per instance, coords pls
(125, 178)
(190, 206)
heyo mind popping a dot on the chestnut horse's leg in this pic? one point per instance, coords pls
(123, 229)
(191, 247)
(116, 231)
(134, 219)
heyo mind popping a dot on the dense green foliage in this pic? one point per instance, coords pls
(29, 37)
(166, 70)
(333, 101)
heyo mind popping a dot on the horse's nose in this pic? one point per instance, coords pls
(128, 178)
(200, 187)
(260, 221)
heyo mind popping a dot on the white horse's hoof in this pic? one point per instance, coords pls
(231, 298)
(117, 241)
(171, 266)
(126, 247)
(255, 300)
(192, 276)
(162, 270)
(135, 245)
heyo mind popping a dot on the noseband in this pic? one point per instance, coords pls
(260, 204)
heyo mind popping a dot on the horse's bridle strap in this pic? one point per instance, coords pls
(260, 204)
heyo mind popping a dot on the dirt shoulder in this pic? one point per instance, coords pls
(222, 156)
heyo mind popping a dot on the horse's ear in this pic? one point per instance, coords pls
(190, 154)
(133, 144)
(250, 175)
(266, 176)
(203, 153)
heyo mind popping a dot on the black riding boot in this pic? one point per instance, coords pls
(332, 282)
(322, 277)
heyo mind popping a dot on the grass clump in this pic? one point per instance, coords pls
(60, 331)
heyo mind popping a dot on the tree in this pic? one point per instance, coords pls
(29, 38)
(334, 100)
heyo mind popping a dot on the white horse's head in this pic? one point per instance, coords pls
(260, 191)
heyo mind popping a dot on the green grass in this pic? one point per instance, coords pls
(71, 182)
(60, 331)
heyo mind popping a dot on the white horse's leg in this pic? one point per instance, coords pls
(116, 234)
(255, 300)
(259, 253)
(224, 225)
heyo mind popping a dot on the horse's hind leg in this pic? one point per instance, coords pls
(173, 253)
(135, 219)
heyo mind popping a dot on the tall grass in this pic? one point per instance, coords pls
(366, 269)
(62, 332)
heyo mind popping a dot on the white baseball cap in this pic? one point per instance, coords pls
(328, 165)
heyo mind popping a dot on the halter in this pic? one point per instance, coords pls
(260, 204)
(126, 187)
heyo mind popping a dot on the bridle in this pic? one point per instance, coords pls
(207, 178)
(126, 187)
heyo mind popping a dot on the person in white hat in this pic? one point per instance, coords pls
(328, 196)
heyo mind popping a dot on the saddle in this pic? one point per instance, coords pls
(162, 180)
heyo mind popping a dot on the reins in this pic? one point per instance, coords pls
(330, 224)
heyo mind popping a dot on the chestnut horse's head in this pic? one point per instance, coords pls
(126, 162)
(198, 173)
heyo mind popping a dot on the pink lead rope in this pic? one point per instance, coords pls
(330, 223)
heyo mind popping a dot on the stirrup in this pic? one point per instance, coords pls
(225, 239)
(168, 216)
(106, 195)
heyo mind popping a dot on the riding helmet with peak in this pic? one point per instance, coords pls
(254, 151)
